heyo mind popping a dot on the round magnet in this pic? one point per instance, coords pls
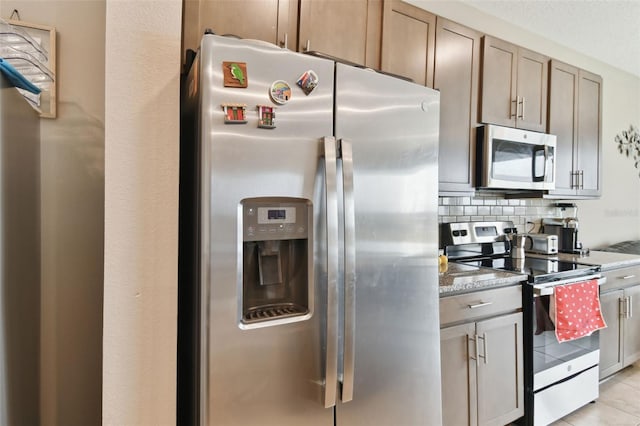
(280, 92)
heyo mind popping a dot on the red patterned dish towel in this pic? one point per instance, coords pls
(575, 310)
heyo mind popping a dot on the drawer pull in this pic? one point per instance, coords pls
(479, 305)
(627, 277)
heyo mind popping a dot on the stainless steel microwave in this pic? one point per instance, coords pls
(511, 158)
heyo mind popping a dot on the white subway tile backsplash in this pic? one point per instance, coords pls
(520, 212)
(456, 210)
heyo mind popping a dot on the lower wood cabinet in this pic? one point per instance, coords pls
(620, 341)
(482, 362)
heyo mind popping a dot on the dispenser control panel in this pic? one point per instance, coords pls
(273, 219)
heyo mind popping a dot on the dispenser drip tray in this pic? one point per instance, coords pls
(275, 311)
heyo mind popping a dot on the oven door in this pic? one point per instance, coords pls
(554, 361)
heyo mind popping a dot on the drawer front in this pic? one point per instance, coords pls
(479, 304)
(621, 278)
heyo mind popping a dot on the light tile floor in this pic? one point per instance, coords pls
(618, 404)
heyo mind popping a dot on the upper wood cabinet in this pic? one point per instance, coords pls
(574, 117)
(274, 21)
(408, 42)
(514, 86)
(456, 76)
(348, 30)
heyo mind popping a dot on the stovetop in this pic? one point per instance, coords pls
(540, 270)
(488, 244)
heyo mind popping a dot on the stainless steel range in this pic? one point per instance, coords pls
(559, 377)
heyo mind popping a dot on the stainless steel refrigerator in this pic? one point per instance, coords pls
(308, 278)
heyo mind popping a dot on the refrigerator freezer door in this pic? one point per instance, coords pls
(391, 127)
(273, 373)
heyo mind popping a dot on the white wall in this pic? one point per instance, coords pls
(616, 215)
(72, 213)
(141, 211)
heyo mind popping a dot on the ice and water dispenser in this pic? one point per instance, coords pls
(276, 259)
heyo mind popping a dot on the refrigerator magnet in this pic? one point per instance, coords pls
(267, 116)
(308, 81)
(234, 113)
(235, 74)
(280, 92)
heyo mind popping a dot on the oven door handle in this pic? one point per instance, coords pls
(547, 288)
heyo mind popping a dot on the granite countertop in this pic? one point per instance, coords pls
(607, 260)
(460, 278)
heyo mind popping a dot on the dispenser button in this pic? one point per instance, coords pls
(250, 230)
(300, 230)
(262, 229)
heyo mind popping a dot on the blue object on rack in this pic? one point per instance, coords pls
(17, 79)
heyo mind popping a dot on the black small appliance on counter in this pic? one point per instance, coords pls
(566, 228)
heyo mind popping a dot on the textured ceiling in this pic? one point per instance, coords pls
(608, 30)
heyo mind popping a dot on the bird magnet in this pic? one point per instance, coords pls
(235, 74)
(308, 81)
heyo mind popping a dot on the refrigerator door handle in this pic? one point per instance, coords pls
(331, 357)
(349, 273)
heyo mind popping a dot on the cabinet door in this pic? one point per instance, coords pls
(531, 93)
(563, 122)
(631, 326)
(610, 337)
(456, 76)
(499, 68)
(589, 134)
(336, 28)
(268, 20)
(408, 35)
(500, 370)
(458, 375)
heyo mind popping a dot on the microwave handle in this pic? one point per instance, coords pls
(545, 150)
(546, 159)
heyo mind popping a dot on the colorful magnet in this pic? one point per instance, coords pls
(234, 113)
(308, 81)
(267, 116)
(280, 92)
(235, 74)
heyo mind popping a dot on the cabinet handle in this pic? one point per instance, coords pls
(307, 46)
(622, 308)
(484, 347)
(523, 103)
(479, 305)
(581, 179)
(516, 101)
(627, 277)
(630, 308)
(285, 43)
(475, 341)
